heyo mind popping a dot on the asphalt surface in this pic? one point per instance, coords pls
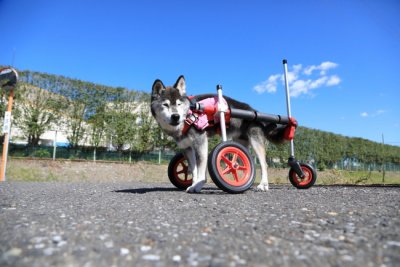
(138, 224)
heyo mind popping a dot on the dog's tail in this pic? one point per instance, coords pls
(275, 133)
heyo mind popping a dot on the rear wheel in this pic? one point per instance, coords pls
(178, 172)
(231, 167)
(307, 181)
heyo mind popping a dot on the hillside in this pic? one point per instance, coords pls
(100, 115)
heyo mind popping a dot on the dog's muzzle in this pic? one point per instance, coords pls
(175, 119)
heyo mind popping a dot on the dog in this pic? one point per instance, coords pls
(170, 106)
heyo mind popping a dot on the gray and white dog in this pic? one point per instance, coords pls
(170, 106)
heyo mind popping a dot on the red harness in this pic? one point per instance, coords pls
(205, 115)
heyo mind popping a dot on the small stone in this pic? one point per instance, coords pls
(14, 252)
(124, 251)
(239, 260)
(61, 243)
(145, 248)
(151, 257)
(48, 251)
(109, 244)
(393, 243)
(39, 245)
(347, 258)
(57, 239)
(103, 237)
(37, 239)
(177, 258)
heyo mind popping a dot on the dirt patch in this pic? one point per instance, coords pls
(73, 171)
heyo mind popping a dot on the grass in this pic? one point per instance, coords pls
(358, 177)
(31, 175)
(66, 171)
(334, 177)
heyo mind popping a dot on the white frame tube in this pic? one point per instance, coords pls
(289, 112)
(221, 109)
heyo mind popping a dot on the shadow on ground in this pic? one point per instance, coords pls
(144, 190)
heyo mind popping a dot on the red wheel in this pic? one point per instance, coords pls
(231, 167)
(178, 172)
(308, 180)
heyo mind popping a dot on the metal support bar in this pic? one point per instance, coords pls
(289, 112)
(221, 109)
(252, 115)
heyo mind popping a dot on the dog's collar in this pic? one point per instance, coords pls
(190, 119)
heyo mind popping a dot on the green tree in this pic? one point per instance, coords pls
(38, 110)
(121, 118)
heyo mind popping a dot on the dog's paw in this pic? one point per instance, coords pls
(195, 188)
(262, 187)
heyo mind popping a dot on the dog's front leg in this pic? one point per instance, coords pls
(200, 150)
(191, 158)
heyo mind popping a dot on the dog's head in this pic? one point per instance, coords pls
(169, 104)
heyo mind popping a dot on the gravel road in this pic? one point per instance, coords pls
(152, 224)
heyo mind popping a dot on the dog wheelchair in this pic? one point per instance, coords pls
(229, 164)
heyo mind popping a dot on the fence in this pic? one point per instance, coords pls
(88, 153)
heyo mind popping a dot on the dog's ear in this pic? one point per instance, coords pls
(158, 88)
(181, 85)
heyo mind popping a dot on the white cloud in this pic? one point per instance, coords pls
(309, 70)
(269, 85)
(299, 87)
(333, 80)
(301, 80)
(379, 112)
(323, 68)
(374, 114)
(318, 83)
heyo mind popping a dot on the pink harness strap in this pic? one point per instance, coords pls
(207, 117)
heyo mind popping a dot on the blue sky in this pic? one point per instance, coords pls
(343, 55)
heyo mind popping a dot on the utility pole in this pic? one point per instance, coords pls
(55, 145)
(8, 81)
(383, 159)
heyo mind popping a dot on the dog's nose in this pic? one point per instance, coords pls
(175, 117)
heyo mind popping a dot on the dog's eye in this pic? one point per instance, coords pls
(166, 105)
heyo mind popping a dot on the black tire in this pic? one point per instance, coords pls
(309, 179)
(231, 167)
(178, 172)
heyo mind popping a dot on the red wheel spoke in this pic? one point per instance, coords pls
(180, 172)
(242, 168)
(235, 175)
(234, 159)
(227, 170)
(183, 165)
(227, 161)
